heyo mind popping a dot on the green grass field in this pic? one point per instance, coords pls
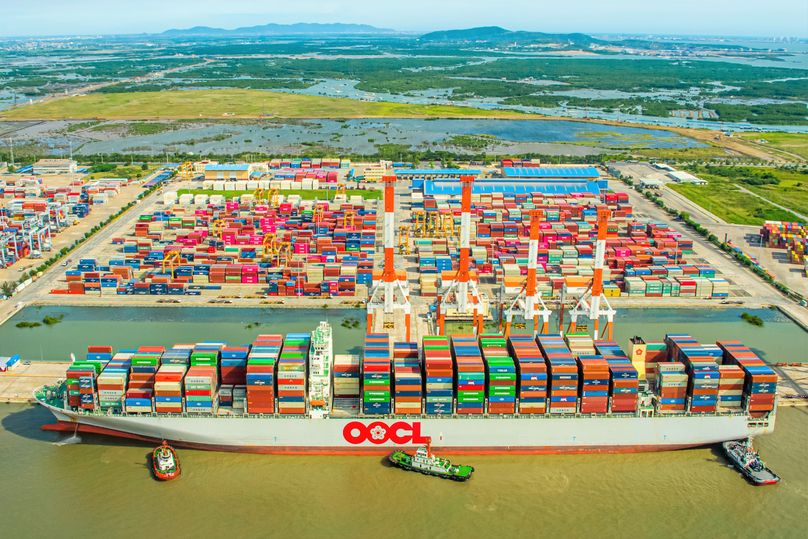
(724, 200)
(123, 172)
(791, 192)
(231, 104)
(682, 154)
(307, 194)
(780, 143)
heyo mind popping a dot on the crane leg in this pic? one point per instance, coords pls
(407, 325)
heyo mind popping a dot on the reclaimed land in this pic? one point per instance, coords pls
(234, 104)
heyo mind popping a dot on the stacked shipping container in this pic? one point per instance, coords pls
(439, 374)
(376, 374)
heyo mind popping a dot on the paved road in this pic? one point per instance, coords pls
(748, 192)
(696, 212)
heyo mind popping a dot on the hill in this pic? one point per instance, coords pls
(280, 29)
(495, 35)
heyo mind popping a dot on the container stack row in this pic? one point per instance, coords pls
(168, 388)
(234, 365)
(532, 372)
(501, 374)
(439, 371)
(202, 390)
(563, 375)
(730, 386)
(470, 374)
(260, 376)
(376, 374)
(346, 376)
(407, 378)
(760, 381)
(593, 372)
(671, 386)
(292, 368)
(624, 386)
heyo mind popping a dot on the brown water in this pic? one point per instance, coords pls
(103, 486)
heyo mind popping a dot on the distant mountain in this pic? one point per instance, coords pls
(495, 35)
(280, 29)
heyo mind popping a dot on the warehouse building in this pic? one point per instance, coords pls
(199, 166)
(680, 176)
(239, 172)
(550, 180)
(55, 166)
(435, 173)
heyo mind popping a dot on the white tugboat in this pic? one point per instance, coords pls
(321, 363)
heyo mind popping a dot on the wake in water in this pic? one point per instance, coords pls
(74, 439)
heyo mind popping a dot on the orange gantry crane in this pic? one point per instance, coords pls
(589, 304)
(528, 300)
(457, 294)
(389, 293)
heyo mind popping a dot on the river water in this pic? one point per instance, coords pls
(103, 485)
(362, 136)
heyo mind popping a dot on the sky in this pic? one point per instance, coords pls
(753, 18)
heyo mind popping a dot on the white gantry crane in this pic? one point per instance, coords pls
(457, 295)
(527, 302)
(589, 304)
(389, 293)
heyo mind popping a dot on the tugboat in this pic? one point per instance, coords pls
(748, 462)
(165, 462)
(425, 462)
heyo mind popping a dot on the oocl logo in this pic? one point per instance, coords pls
(377, 432)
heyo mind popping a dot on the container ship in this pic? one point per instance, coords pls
(488, 394)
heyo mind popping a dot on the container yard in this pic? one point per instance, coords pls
(791, 237)
(293, 247)
(263, 244)
(41, 215)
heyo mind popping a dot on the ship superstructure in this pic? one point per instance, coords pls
(321, 364)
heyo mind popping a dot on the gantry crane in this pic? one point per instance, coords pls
(319, 214)
(186, 171)
(590, 302)
(274, 198)
(404, 240)
(419, 224)
(170, 257)
(528, 300)
(348, 220)
(259, 195)
(457, 295)
(389, 293)
(218, 228)
(267, 247)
